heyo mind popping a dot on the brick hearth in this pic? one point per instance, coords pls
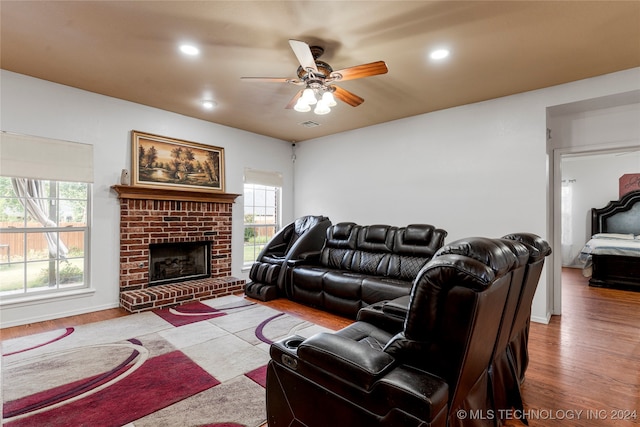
(149, 216)
(178, 293)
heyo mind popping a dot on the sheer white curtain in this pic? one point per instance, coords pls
(32, 196)
(566, 210)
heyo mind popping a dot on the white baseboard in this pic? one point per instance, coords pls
(37, 315)
(545, 320)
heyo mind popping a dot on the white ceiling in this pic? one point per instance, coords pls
(129, 50)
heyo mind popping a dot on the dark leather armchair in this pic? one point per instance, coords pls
(510, 356)
(437, 365)
(306, 234)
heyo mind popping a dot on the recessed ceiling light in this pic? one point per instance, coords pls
(209, 105)
(439, 54)
(189, 49)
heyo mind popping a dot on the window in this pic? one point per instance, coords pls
(261, 214)
(566, 223)
(44, 235)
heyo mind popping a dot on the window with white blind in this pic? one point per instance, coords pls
(45, 211)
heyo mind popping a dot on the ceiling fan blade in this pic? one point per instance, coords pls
(269, 79)
(360, 71)
(347, 97)
(304, 55)
(293, 101)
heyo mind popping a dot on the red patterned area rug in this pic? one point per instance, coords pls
(200, 364)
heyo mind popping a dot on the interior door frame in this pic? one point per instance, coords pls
(556, 202)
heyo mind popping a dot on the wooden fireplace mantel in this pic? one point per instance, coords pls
(147, 193)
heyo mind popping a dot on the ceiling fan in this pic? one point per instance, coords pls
(318, 79)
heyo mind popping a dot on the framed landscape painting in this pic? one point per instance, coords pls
(161, 162)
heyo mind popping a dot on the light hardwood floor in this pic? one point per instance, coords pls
(587, 359)
(584, 365)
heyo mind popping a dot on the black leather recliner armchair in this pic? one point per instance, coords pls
(306, 234)
(437, 365)
(510, 357)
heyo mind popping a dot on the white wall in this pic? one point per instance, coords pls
(586, 125)
(479, 169)
(450, 168)
(36, 107)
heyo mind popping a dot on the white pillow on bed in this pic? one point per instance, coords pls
(618, 236)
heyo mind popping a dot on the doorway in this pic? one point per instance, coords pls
(607, 125)
(586, 179)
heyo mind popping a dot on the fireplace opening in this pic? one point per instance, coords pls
(177, 262)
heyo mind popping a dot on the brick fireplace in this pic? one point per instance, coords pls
(152, 216)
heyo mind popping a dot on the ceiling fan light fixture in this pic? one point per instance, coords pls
(328, 99)
(309, 96)
(317, 78)
(322, 108)
(302, 106)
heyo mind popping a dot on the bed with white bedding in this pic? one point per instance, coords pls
(612, 255)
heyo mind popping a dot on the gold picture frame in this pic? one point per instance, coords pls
(162, 162)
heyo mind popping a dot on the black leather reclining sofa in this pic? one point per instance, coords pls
(362, 265)
(449, 362)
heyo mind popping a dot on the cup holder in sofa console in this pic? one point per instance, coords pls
(293, 343)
